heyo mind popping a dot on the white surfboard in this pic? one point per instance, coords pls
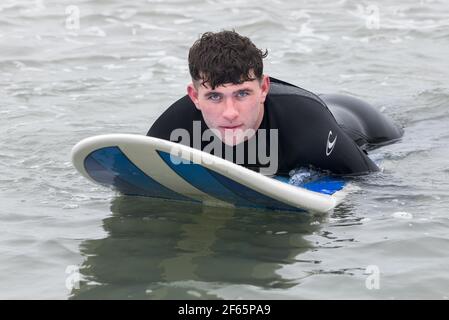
(147, 166)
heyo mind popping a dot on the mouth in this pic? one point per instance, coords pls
(231, 127)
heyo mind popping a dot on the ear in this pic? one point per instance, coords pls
(193, 94)
(265, 87)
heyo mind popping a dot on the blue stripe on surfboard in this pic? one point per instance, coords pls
(111, 166)
(105, 177)
(221, 187)
(200, 178)
(252, 195)
(325, 185)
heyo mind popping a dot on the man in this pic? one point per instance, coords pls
(259, 122)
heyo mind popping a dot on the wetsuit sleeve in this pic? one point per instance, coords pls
(180, 114)
(311, 136)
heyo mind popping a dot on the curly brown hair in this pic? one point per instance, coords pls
(225, 57)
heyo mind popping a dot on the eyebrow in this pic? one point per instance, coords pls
(210, 93)
(219, 93)
(244, 89)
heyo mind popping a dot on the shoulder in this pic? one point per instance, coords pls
(289, 103)
(180, 114)
(280, 88)
(183, 104)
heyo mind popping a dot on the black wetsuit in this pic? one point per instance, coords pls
(308, 133)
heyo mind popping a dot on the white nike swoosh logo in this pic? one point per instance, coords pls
(330, 145)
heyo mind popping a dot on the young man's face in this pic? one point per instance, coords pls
(232, 109)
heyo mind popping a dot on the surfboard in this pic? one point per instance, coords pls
(146, 166)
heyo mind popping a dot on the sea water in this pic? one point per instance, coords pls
(74, 69)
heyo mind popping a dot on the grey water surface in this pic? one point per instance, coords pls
(118, 66)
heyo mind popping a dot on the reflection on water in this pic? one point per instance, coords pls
(59, 86)
(157, 249)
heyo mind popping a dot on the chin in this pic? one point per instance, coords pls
(236, 137)
(231, 141)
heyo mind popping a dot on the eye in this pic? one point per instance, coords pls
(242, 94)
(214, 97)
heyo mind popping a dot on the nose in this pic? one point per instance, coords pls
(230, 113)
